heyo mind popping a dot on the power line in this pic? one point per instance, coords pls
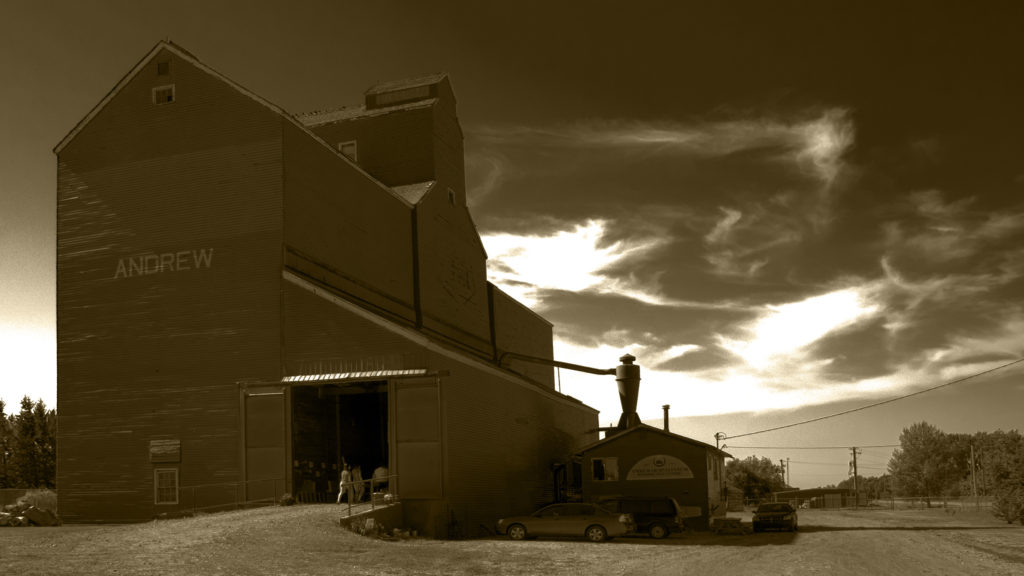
(919, 392)
(805, 447)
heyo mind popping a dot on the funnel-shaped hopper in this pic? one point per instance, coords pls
(627, 375)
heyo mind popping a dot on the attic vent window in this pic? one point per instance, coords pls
(405, 95)
(349, 150)
(163, 94)
(163, 68)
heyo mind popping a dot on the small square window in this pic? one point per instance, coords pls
(163, 94)
(605, 469)
(163, 68)
(165, 486)
(349, 150)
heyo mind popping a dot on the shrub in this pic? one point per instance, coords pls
(42, 499)
(286, 500)
(1009, 505)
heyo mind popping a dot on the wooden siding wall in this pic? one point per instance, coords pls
(394, 147)
(168, 267)
(519, 329)
(449, 155)
(453, 274)
(320, 337)
(500, 435)
(502, 439)
(346, 230)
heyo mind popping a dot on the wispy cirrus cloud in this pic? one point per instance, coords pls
(815, 140)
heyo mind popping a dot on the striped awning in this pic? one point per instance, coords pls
(353, 376)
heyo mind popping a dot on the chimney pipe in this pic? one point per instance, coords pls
(665, 407)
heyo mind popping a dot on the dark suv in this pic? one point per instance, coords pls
(654, 515)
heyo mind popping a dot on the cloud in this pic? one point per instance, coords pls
(939, 231)
(816, 139)
(575, 260)
(784, 330)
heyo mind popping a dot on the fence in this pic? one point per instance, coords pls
(382, 492)
(949, 504)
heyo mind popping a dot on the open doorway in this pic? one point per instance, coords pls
(334, 424)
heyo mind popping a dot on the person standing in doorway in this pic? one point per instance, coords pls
(345, 489)
(357, 483)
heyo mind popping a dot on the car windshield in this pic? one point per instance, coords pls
(774, 508)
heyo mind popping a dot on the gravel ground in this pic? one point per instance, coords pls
(307, 540)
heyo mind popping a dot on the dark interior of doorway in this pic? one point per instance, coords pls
(332, 424)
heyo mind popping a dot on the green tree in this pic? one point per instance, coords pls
(872, 487)
(33, 448)
(6, 440)
(757, 477)
(929, 462)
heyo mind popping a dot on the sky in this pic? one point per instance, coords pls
(784, 210)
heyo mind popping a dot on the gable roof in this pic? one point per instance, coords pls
(416, 82)
(191, 59)
(648, 428)
(318, 117)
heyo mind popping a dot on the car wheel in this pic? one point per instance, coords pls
(596, 533)
(658, 531)
(517, 532)
(795, 527)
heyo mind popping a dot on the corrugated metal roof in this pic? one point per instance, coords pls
(343, 376)
(392, 85)
(413, 193)
(318, 117)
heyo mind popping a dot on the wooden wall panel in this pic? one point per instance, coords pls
(502, 440)
(453, 273)
(395, 148)
(521, 330)
(345, 230)
(168, 263)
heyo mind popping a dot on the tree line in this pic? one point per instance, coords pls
(929, 464)
(28, 446)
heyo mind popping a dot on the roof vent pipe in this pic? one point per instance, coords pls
(665, 408)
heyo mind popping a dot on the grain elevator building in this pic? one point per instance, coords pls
(246, 296)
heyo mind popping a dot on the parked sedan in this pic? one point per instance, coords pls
(778, 515)
(587, 520)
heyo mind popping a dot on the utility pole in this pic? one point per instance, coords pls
(719, 436)
(856, 488)
(787, 473)
(974, 483)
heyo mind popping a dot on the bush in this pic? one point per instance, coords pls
(42, 499)
(286, 500)
(1009, 505)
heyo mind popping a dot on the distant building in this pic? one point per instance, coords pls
(648, 461)
(833, 498)
(246, 297)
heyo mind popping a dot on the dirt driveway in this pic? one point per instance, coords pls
(307, 540)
